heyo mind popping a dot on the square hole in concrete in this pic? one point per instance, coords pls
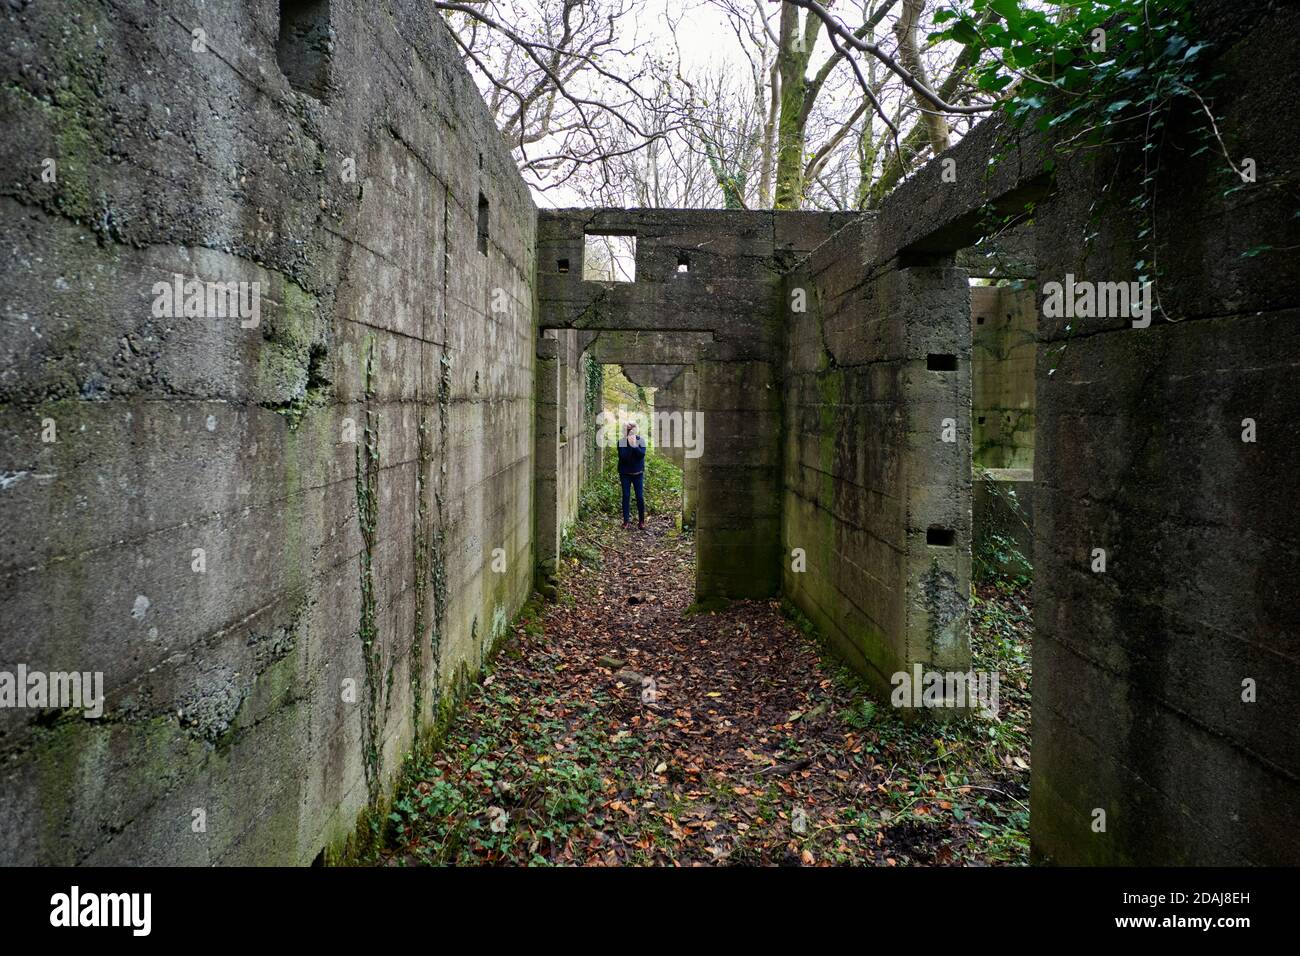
(562, 266)
(609, 257)
(941, 363)
(482, 223)
(940, 537)
(305, 46)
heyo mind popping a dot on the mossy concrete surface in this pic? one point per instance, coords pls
(195, 528)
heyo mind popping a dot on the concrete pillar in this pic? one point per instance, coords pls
(933, 305)
(877, 476)
(738, 533)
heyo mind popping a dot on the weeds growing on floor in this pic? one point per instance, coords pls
(625, 731)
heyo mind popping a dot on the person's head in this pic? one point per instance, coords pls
(629, 433)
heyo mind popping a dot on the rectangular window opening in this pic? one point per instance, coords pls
(940, 537)
(305, 46)
(609, 257)
(683, 263)
(562, 266)
(941, 363)
(482, 223)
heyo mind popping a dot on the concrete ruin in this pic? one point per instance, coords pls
(288, 542)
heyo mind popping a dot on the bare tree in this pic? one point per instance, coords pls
(586, 105)
(564, 89)
(836, 111)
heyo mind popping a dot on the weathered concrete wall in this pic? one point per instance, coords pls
(731, 290)
(562, 459)
(573, 433)
(1139, 671)
(1003, 323)
(329, 563)
(1138, 704)
(877, 457)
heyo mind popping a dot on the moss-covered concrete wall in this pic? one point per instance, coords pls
(1166, 687)
(280, 542)
(1003, 324)
(1166, 679)
(877, 484)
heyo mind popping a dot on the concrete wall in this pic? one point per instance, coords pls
(1139, 671)
(1003, 323)
(327, 560)
(877, 457)
(562, 441)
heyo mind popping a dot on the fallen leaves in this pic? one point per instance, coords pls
(628, 732)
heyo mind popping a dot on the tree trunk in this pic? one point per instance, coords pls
(796, 45)
(934, 126)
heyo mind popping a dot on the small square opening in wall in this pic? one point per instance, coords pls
(683, 263)
(937, 362)
(305, 46)
(609, 257)
(940, 537)
(562, 266)
(482, 223)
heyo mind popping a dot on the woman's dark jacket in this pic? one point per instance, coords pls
(631, 457)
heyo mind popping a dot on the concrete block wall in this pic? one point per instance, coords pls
(548, 502)
(738, 506)
(562, 438)
(1139, 671)
(878, 502)
(328, 563)
(1004, 320)
(574, 437)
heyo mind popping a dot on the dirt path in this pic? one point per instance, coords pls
(624, 730)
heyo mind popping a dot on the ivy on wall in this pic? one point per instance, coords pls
(594, 385)
(1101, 74)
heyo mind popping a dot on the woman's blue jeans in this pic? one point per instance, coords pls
(636, 481)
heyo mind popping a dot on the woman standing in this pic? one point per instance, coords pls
(631, 472)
